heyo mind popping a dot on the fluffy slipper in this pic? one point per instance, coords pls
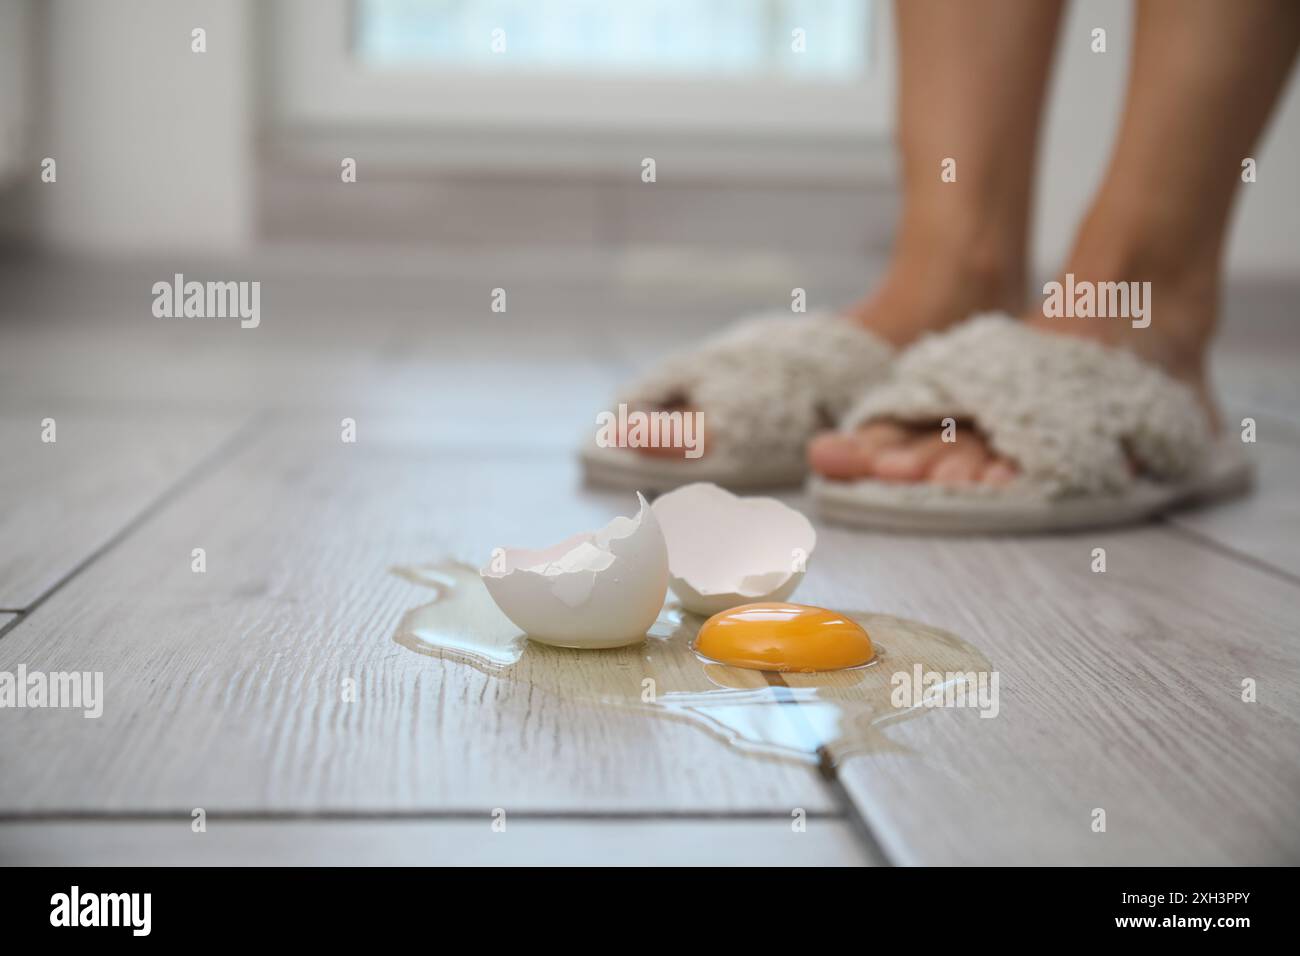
(1100, 436)
(763, 386)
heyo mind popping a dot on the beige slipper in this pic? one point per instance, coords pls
(764, 386)
(1074, 415)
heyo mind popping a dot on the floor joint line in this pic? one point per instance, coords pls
(1227, 551)
(187, 479)
(381, 815)
(829, 774)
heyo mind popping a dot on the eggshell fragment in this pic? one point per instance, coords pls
(724, 550)
(597, 589)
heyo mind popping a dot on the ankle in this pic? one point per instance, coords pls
(1135, 240)
(941, 275)
(983, 249)
(1172, 301)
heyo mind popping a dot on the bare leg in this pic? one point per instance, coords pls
(1205, 78)
(972, 74)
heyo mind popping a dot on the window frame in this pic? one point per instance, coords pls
(321, 91)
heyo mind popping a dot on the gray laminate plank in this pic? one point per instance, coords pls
(523, 842)
(224, 689)
(63, 500)
(1120, 690)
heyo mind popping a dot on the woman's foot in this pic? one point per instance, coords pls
(1201, 87)
(1182, 310)
(939, 275)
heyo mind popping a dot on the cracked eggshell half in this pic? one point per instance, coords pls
(724, 551)
(597, 589)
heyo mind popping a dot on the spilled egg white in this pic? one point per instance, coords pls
(596, 589)
(724, 550)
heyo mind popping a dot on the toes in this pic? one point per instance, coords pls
(660, 451)
(910, 461)
(845, 456)
(838, 456)
(999, 471)
(877, 436)
(961, 463)
(892, 452)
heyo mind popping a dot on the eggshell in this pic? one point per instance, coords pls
(724, 551)
(597, 589)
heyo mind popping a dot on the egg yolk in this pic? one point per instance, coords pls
(772, 636)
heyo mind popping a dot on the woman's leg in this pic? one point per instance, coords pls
(972, 74)
(1205, 77)
(972, 77)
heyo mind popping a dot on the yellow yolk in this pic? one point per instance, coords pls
(784, 637)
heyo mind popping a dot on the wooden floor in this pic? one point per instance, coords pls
(1120, 691)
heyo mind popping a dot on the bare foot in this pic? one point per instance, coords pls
(1177, 339)
(937, 277)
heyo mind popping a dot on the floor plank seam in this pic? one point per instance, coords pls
(381, 815)
(1241, 557)
(829, 775)
(188, 479)
(829, 771)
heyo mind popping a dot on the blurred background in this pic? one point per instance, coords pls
(498, 144)
(514, 125)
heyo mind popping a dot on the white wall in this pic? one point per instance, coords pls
(15, 86)
(1266, 236)
(153, 142)
(1081, 122)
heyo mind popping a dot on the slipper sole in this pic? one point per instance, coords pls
(906, 509)
(628, 470)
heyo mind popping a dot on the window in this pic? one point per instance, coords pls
(740, 38)
(718, 84)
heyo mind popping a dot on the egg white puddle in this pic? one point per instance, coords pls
(789, 717)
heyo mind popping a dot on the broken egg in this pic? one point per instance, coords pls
(772, 636)
(724, 550)
(597, 589)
